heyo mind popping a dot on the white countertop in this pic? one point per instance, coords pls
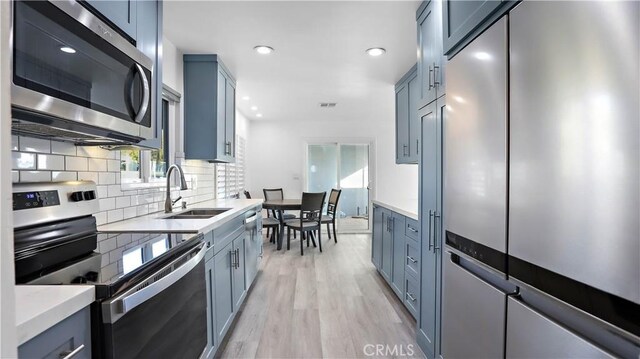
(157, 223)
(407, 208)
(39, 307)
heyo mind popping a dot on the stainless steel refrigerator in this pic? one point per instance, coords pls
(542, 185)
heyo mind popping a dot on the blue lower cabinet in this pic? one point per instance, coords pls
(376, 236)
(398, 266)
(231, 264)
(386, 266)
(223, 292)
(239, 275)
(72, 335)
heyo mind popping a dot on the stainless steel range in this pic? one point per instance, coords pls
(148, 285)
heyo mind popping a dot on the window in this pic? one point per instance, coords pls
(230, 176)
(149, 166)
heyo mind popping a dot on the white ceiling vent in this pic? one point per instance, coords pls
(327, 104)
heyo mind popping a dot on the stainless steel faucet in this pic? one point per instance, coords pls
(168, 203)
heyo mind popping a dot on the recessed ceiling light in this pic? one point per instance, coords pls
(376, 51)
(67, 49)
(258, 115)
(254, 108)
(246, 98)
(263, 50)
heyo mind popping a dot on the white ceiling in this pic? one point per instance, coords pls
(319, 52)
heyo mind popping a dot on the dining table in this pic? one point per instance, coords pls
(281, 205)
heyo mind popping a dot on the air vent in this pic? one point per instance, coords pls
(327, 104)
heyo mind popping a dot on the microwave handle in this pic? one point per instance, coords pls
(146, 93)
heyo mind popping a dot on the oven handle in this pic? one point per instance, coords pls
(145, 95)
(127, 301)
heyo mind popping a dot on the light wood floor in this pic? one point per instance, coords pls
(328, 304)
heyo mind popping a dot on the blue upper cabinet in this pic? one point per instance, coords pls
(149, 41)
(431, 61)
(121, 13)
(209, 109)
(407, 97)
(463, 20)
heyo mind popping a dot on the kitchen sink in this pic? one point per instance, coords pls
(202, 213)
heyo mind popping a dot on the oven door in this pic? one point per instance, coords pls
(162, 316)
(72, 71)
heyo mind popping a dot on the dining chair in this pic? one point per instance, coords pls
(309, 220)
(247, 195)
(330, 217)
(276, 194)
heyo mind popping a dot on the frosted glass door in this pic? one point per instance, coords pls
(346, 167)
(354, 182)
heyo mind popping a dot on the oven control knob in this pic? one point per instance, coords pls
(89, 195)
(77, 196)
(92, 276)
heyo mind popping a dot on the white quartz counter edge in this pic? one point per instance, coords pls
(39, 307)
(407, 209)
(156, 223)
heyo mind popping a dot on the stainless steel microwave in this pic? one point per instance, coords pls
(75, 79)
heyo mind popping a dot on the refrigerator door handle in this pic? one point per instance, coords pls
(436, 217)
(430, 216)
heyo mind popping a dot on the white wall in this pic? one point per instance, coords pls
(276, 154)
(7, 296)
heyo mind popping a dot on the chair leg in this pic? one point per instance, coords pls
(328, 230)
(294, 234)
(308, 235)
(320, 239)
(288, 238)
(313, 238)
(335, 236)
(268, 232)
(301, 243)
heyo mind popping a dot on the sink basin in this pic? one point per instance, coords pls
(201, 213)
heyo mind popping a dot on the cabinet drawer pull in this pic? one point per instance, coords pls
(71, 354)
(412, 229)
(411, 297)
(413, 260)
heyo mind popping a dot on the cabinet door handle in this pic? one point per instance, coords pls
(435, 68)
(412, 229)
(413, 260)
(70, 354)
(237, 258)
(430, 216)
(417, 146)
(430, 72)
(411, 297)
(232, 254)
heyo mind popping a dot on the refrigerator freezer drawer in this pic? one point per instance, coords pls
(532, 335)
(475, 131)
(574, 145)
(473, 315)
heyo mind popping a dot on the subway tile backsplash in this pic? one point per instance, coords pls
(38, 160)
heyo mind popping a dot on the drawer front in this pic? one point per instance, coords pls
(412, 229)
(412, 258)
(71, 334)
(412, 295)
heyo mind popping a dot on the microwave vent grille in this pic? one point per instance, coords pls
(39, 130)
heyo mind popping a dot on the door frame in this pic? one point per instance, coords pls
(344, 141)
